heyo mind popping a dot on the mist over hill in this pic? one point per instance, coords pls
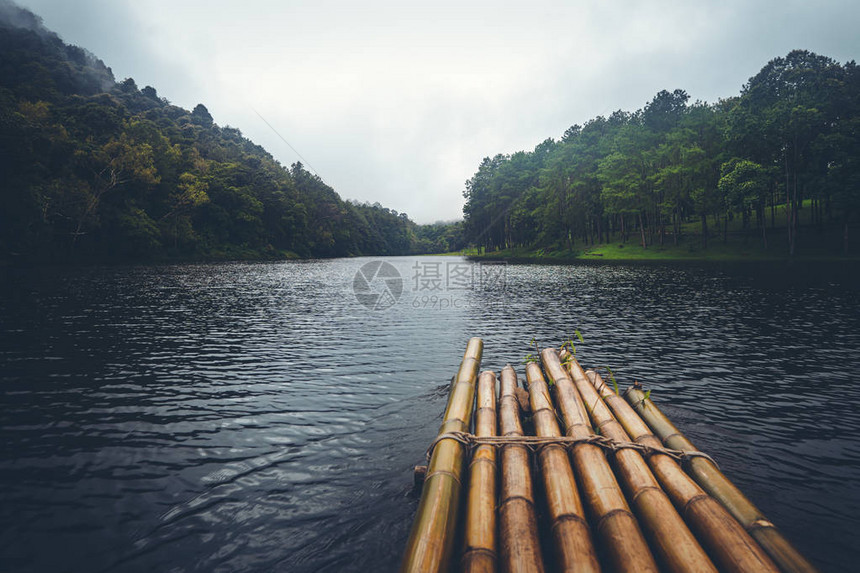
(96, 169)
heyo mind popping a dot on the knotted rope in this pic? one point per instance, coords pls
(535, 443)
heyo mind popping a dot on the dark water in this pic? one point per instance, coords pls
(256, 417)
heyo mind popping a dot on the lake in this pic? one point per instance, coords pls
(262, 417)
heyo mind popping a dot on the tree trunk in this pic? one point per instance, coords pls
(815, 218)
(662, 229)
(788, 204)
(676, 227)
(704, 231)
(642, 231)
(794, 208)
(772, 206)
(651, 224)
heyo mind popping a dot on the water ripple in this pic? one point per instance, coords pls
(255, 417)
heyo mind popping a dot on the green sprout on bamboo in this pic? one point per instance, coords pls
(612, 378)
(645, 397)
(535, 356)
(569, 344)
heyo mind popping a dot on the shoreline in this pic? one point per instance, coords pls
(626, 254)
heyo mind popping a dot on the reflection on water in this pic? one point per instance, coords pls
(254, 417)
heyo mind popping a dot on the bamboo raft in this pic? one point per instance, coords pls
(605, 482)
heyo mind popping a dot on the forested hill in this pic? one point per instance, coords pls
(776, 167)
(95, 170)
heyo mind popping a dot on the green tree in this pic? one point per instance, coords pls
(744, 184)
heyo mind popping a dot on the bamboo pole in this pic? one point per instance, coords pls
(431, 540)
(571, 534)
(727, 542)
(675, 545)
(712, 480)
(519, 544)
(479, 553)
(617, 528)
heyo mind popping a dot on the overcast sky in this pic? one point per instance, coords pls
(399, 101)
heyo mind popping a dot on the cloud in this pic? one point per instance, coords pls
(398, 102)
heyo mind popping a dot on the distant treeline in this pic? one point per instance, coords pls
(790, 142)
(95, 170)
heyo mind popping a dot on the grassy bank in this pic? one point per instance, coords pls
(728, 242)
(735, 246)
(620, 252)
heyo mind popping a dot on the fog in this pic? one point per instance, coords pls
(398, 102)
